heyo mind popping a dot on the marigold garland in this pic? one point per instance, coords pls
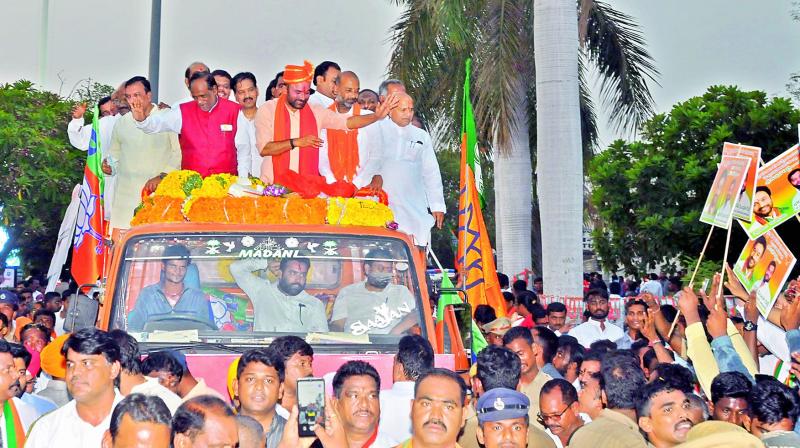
(358, 212)
(179, 184)
(185, 196)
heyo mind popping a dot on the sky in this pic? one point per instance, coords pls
(109, 41)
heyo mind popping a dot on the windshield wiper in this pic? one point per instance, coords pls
(197, 345)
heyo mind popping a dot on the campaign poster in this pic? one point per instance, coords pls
(777, 195)
(725, 189)
(744, 206)
(763, 267)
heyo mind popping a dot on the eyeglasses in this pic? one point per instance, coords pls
(544, 418)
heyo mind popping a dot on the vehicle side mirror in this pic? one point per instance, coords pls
(457, 334)
(81, 312)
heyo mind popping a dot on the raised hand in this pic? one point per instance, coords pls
(717, 322)
(751, 308)
(688, 305)
(734, 285)
(790, 315)
(79, 110)
(137, 109)
(649, 328)
(332, 435)
(383, 109)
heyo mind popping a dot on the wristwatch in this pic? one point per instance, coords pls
(749, 325)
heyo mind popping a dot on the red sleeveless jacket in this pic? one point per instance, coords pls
(207, 138)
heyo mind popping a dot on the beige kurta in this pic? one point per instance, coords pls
(138, 157)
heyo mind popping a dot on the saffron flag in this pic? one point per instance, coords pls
(88, 246)
(475, 261)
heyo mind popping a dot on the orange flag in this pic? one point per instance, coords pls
(475, 262)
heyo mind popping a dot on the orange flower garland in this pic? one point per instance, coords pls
(209, 202)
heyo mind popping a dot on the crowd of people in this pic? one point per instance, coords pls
(332, 139)
(543, 381)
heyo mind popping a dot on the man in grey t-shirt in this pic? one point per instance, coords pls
(376, 305)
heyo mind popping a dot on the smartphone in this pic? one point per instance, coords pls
(704, 288)
(310, 404)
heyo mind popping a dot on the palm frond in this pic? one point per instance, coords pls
(616, 46)
(430, 43)
(588, 116)
(504, 60)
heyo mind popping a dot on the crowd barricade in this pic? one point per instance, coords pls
(576, 306)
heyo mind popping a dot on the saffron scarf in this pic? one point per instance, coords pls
(13, 425)
(309, 155)
(343, 149)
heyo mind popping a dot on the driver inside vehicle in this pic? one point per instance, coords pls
(171, 296)
(375, 305)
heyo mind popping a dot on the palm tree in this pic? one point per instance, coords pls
(433, 38)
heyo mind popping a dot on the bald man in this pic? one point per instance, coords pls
(410, 173)
(350, 155)
(193, 68)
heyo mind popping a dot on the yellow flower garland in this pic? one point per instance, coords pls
(358, 212)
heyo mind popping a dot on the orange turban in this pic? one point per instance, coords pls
(232, 376)
(294, 74)
(53, 362)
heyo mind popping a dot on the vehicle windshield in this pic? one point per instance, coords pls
(345, 289)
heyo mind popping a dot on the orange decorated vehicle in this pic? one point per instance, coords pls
(234, 273)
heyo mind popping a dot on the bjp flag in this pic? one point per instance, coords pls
(88, 246)
(474, 262)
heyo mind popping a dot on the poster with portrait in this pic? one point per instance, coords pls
(725, 189)
(777, 194)
(744, 206)
(763, 267)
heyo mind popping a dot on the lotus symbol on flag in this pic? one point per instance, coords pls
(87, 209)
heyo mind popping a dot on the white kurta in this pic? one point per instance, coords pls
(248, 139)
(79, 134)
(369, 153)
(136, 158)
(411, 178)
(64, 428)
(322, 100)
(172, 121)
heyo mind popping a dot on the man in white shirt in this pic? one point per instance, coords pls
(325, 75)
(560, 410)
(414, 357)
(245, 90)
(206, 128)
(342, 157)
(131, 379)
(389, 87)
(140, 418)
(92, 368)
(596, 328)
(376, 305)
(284, 306)
(410, 172)
(80, 134)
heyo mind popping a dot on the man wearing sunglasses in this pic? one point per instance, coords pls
(559, 410)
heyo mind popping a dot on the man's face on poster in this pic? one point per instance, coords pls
(769, 272)
(762, 203)
(755, 255)
(794, 179)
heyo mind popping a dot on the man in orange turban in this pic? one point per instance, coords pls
(287, 135)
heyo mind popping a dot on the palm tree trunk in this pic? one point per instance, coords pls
(559, 167)
(513, 196)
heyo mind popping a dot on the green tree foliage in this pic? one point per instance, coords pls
(649, 193)
(38, 170)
